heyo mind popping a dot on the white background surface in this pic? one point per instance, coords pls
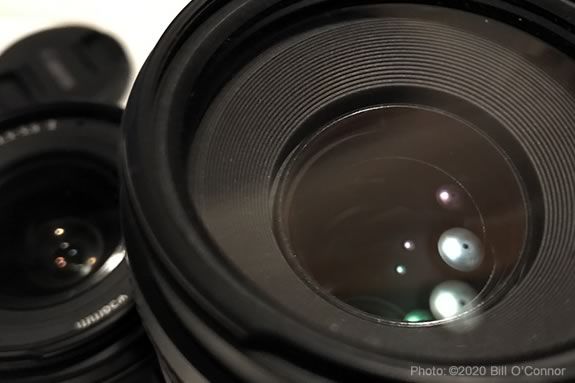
(137, 24)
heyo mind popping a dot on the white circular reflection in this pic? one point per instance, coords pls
(409, 245)
(451, 298)
(461, 249)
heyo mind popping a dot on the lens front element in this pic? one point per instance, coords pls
(392, 209)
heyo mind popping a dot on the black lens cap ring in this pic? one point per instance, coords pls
(73, 63)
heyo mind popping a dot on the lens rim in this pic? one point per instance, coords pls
(160, 215)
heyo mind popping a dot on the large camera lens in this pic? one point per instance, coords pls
(332, 190)
(65, 302)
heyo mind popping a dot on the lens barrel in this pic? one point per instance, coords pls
(342, 190)
(66, 303)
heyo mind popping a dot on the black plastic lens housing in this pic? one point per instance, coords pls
(66, 303)
(332, 190)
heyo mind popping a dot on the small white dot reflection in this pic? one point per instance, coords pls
(400, 269)
(450, 197)
(64, 245)
(59, 232)
(409, 245)
(444, 196)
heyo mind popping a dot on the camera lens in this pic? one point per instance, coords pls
(347, 191)
(379, 217)
(65, 302)
(60, 225)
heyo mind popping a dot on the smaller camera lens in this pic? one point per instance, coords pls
(60, 225)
